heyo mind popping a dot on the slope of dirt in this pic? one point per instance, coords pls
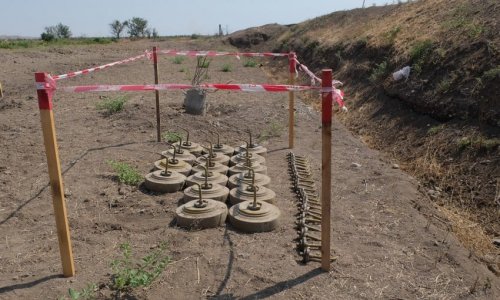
(389, 242)
(442, 123)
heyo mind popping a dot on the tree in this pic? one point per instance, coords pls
(59, 31)
(117, 28)
(137, 27)
(63, 31)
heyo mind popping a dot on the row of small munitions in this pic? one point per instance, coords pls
(210, 177)
(308, 222)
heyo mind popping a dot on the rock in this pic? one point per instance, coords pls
(355, 165)
(496, 241)
(395, 166)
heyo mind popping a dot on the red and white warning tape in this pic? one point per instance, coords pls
(338, 95)
(162, 87)
(217, 53)
(81, 72)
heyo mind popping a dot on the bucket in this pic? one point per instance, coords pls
(194, 102)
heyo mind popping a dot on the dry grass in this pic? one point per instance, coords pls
(468, 232)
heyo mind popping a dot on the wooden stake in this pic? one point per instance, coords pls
(56, 183)
(326, 166)
(291, 101)
(157, 94)
(1, 90)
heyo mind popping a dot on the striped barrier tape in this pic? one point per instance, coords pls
(167, 86)
(217, 53)
(86, 71)
(338, 95)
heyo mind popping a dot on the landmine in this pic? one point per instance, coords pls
(207, 177)
(192, 147)
(181, 154)
(164, 181)
(174, 165)
(211, 191)
(254, 216)
(245, 156)
(242, 167)
(201, 213)
(247, 192)
(251, 147)
(211, 167)
(214, 156)
(222, 148)
(247, 178)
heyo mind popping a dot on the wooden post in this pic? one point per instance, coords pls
(157, 94)
(291, 101)
(56, 183)
(1, 90)
(326, 166)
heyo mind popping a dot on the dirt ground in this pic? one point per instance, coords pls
(390, 243)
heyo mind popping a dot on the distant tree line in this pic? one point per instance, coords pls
(58, 31)
(136, 28)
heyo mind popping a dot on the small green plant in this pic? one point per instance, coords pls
(464, 143)
(130, 273)
(178, 60)
(488, 144)
(226, 68)
(435, 129)
(421, 50)
(419, 54)
(444, 85)
(112, 105)
(379, 72)
(392, 34)
(182, 70)
(205, 64)
(250, 63)
(172, 136)
(274, 130)
(87, 293)
(491, 74)
(125, 173)
(462, 17)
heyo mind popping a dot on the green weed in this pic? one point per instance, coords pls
(464, 143)
(126, 173)
(250, 63)
(420, 53)
(172, 136)
(130, 273)
(491, 74)
(112, 105)
(226, 68)
(392, 34)
(444, 85)
(178, 60)
(435, 129)
(87, 293)
(379, 72)
(462, 17)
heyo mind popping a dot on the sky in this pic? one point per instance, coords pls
(91, 18)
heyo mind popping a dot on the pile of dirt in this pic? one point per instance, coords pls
(254, 36)
(443, 122)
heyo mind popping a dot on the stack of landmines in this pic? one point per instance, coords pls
(308, 222)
